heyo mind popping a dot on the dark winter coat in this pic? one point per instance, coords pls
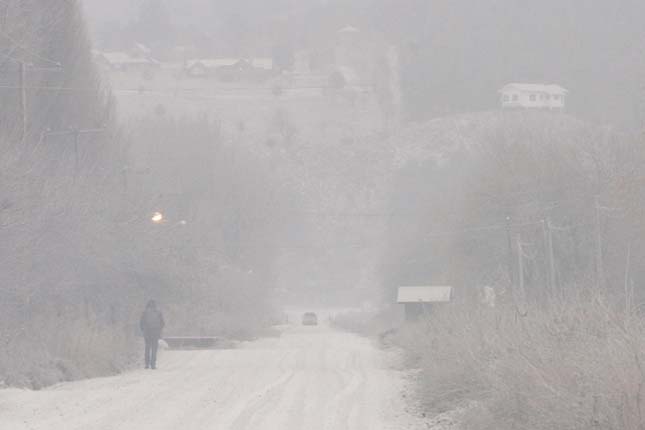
(152, 323)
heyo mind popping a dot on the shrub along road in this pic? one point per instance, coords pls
(308, 378)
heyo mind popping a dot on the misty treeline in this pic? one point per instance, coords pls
(80, 252)
(565, 195)
(537, 221)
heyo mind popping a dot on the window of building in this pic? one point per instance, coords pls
(515, 97)
(556, 97)
(507, 98)
(532, 97)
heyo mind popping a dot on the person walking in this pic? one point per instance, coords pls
(152, 323)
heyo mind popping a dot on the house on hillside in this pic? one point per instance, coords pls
(533, 96)
(205, 67)
(262, 63)
(125, 61)
(136, 59)
(230, 69)
(261, 69)
(418, 300)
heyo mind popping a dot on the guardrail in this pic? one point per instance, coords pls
(197, 342)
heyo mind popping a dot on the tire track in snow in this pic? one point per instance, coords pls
(338, 412)
(264, 400)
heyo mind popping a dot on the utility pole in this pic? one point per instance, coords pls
(554, 279)
(76, 159)
(599, 269)
(509, 256)
(23, 100)
(629, 292)
(548, 243)
(77, 134)
(520, 265)
(521, 300)
(22, 85)
(545, 237)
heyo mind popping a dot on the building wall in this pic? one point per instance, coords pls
(415, 311)
(524, 100)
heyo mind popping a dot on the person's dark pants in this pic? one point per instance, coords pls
(152, 344)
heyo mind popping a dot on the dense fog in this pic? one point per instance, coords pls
(438, 203)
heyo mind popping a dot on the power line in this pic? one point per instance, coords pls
(31, 51)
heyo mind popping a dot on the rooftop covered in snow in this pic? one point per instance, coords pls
(424, 294)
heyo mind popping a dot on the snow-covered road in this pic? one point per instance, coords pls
(309, 378)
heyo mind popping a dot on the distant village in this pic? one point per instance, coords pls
(348, 65)
(354, 64)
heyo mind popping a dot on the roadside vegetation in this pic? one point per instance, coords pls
(545, 212)
(573, 365)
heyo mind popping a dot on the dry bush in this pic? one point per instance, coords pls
(58, 193)
(576, 366)
(450, 349)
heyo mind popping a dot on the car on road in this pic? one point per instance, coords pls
(309, 318)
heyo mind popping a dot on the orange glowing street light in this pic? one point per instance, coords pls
(157, 218)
